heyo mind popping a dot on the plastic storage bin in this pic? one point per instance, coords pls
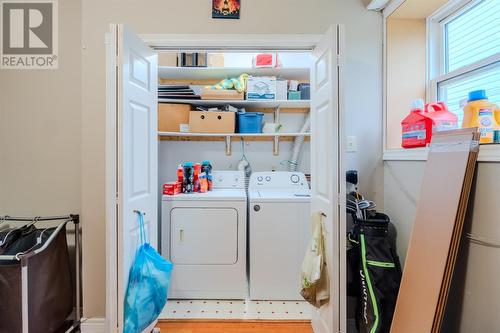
(250, 122)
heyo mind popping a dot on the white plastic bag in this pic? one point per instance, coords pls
(314, 275)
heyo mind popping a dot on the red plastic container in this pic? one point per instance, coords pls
(414, 131)
(441, 119)
(418, 126)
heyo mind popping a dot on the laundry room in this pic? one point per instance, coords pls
(244, 166)
(233, 151)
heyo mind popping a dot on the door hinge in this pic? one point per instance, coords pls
(340, 60)
(339, 199)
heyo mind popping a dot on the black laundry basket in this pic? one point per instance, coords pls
(35, 282)
(375, 272)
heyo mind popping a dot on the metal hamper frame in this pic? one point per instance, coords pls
(24, 263)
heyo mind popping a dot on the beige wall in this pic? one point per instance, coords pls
(40, 127)
(406, 68)
(363, 93)
(474, 301)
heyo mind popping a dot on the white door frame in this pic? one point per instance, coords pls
(296, 42)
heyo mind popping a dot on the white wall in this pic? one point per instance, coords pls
(363, 87)
(40, 127)
(406, 68)
(473, 302)
(258, 153)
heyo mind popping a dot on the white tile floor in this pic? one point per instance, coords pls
(237, 309)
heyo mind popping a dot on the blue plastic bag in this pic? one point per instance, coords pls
(147, 288)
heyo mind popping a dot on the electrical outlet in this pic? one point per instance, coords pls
(352, 145)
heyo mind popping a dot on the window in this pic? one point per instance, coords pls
(438, 50)
(469, 54)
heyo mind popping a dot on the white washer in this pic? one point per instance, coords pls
(279, 231)
(204, 235)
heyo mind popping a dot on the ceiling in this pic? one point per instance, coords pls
(417, 9)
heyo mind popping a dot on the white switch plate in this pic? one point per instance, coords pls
(352, 145)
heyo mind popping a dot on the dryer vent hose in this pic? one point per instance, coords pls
(297, 145)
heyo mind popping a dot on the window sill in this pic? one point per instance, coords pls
(487, 153)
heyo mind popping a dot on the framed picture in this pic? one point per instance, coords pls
(226, 9)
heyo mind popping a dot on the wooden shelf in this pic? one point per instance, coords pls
(176, 136)
(219, 73)
(289, 104)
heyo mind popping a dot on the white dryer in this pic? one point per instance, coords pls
(279, 231)
(204, 235)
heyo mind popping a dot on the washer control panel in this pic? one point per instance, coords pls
(278, 180)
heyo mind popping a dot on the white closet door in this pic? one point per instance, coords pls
(136, 153)
(326, 153)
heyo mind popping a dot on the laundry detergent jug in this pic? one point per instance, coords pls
(440, 117)
(414, 132)
(481, 113)
(418, 126)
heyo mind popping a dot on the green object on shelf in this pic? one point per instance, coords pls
(294, 95)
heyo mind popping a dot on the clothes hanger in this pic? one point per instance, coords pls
(4, 240)
(38, 242)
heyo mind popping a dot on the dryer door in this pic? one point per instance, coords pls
(204, 236)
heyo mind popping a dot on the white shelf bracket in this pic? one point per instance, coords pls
(228, 145)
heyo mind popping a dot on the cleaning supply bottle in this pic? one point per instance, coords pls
(441, 119)
(206, 167)
(480, 112)
(414, 131)
(188, 184)
(196, 179)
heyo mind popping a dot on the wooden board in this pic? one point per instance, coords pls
(457, 235)
(438, 220)
(234, 326)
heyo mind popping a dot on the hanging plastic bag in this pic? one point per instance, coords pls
(148, 284)
(315, 286)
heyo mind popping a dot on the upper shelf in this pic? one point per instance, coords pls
(219, 73)
(290, 104)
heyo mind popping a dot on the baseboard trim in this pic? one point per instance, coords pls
(246, 321)
(93, 325)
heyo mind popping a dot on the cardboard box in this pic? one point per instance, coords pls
(261, 87)
(211, 94)
(172, 188)
(212, 122)
(171, 116)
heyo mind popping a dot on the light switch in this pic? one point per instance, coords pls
(352, 145)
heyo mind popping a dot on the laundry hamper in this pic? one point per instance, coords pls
(35, 283)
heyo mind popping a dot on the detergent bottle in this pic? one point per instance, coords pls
(441, 118)
(414, 131)
(481, 113)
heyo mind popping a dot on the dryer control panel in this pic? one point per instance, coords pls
(228, 179)
(279, 180)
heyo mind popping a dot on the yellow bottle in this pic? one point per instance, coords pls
(480, 113)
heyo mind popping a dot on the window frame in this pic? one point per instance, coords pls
(435, 74)
(436, 47)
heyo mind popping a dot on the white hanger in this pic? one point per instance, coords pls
(4, 240)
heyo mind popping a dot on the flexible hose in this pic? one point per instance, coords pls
(297, 145)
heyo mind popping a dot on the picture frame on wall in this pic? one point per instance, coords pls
(226, 9)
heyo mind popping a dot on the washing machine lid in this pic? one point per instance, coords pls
(279, 196)
(215, 195)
